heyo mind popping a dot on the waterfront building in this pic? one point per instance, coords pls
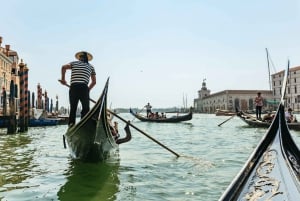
(244, 99)
(8, 70)
(293, 87)
(231, 99)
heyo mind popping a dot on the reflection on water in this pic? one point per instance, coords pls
(35, 165)
(91, 181)
(16, 158)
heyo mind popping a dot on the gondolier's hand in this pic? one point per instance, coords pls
(63, 82)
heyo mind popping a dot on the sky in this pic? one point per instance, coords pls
(156, 51)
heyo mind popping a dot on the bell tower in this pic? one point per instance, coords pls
(203, 92)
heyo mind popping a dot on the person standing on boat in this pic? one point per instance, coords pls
(259, 102)
(148, 109)
(81, 73)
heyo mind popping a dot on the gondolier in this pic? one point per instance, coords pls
(148, 109)
(259, 104)
(81, 73)
(92, 138)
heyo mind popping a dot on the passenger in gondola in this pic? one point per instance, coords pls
(114, 130)
(163, 115)
(289, 116)
(156, 115)
(148, 109)
(268, 117)
(151, 115)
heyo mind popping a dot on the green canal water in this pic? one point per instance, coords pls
(35, 166)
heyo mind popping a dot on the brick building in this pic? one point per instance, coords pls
(8, 71)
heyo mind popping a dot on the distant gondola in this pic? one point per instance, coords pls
(172, 119)
(272, 172)
(251, 121)
(92, 139)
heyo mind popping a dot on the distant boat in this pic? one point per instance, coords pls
(252, 121)
(172, 119)
(224, 113)
(44, 122)
(32, 122)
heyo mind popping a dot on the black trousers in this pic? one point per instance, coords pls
(78, 92)
(258, 111)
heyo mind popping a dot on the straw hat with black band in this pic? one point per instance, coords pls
(81, 53)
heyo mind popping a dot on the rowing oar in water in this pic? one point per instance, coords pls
(138, 113)
(226, 120)
(133, 126)
(136, 128)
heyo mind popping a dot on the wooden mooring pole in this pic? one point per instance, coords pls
(12, 120)
(26, 106)
(22, 94)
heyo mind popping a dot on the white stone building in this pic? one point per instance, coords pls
(292, 95)
(230, 100)
(244, 99)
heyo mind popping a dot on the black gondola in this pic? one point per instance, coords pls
(253, 122)
(92, 139)
(272, 172)
(172, 119)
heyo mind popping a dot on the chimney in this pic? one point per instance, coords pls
(0, 40)
(7, 49)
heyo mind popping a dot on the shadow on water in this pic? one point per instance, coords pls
(91, 181)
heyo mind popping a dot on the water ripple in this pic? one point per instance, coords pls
(35, 166)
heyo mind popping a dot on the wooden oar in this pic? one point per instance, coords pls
(136, 128)
(138, 113)
(226, 120)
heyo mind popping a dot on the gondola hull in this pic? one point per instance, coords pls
(91, 138)
(174, 119)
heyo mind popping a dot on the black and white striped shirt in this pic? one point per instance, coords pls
(81, 72)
